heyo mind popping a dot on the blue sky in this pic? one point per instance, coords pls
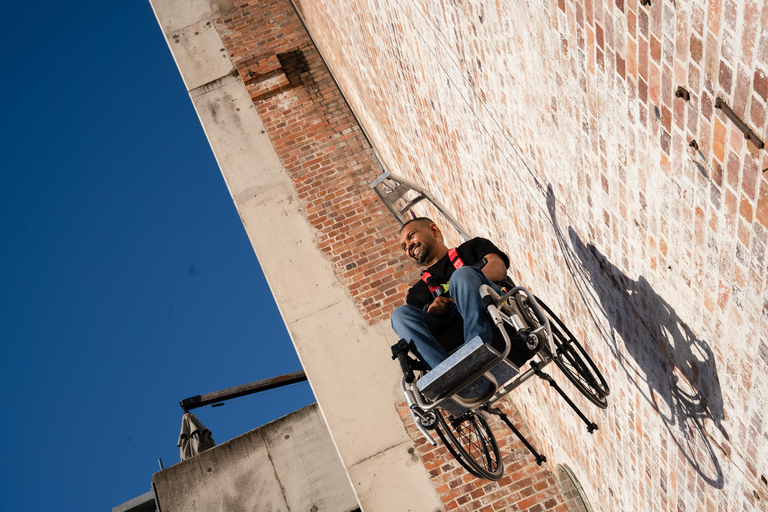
(127, 281)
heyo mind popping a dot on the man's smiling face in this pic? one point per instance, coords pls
(418, 241)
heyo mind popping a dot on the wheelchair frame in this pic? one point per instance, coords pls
(468, 437)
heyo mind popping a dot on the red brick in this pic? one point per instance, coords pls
(620, 65)
(733, 171)
(762, 50)
(713, 16)
(697, 17)
(757, 113)
(750, 31)
(745, 209)
(725, 78)
(750, 175)
(711, 63)
(760, 84)
(642, 58)
(718, 140)
(697, 49)
(655, 50)
(745, 236)
(761, 210)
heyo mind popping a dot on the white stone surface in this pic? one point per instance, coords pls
(377, 493)
(238, 137)
(174, 15)
(289, 464)
(306, 463)
(199, 54)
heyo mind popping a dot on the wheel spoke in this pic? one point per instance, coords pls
(470, 440)
(474, 442)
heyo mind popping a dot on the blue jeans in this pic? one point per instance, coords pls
(419, 329)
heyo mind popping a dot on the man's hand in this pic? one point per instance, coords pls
(440, 306)
(495, 270)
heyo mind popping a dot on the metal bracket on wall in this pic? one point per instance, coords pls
(682, 92)
(741, 125)
(400, 196)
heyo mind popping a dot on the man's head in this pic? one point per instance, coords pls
(422, 241)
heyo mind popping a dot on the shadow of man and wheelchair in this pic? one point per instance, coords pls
(672, 368)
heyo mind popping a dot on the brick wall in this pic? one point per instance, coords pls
(321, 147)
(553, 128)
(525, 486)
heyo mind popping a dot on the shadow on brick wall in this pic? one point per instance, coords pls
(671, 367)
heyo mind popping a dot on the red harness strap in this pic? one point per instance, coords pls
(453, 255)
(437, 290)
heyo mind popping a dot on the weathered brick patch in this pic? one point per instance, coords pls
(322, 148)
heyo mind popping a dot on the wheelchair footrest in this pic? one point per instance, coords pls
(468, 359)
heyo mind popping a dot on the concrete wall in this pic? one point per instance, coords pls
(553, 128)
(287, 465)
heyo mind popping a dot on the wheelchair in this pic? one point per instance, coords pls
(454, 396)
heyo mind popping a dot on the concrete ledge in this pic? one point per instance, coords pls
(289, 464)
(143, 503)
(408, 495)
(199, 54)
(238, 138)
(177, 14)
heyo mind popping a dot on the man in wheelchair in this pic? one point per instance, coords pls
(447, 292)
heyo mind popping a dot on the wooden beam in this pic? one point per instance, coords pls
(242, 390)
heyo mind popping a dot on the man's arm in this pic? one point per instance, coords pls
(495, 269)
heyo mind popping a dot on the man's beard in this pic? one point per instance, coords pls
(423, 255)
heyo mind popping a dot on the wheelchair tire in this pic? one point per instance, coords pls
(471, 442)
(575, 363)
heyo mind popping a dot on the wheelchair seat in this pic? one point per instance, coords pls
(452, 339)
(465, 358)
(469, 358)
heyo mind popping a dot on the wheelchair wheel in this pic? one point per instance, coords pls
(575, 363)
(471, 442)
(572, 359)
